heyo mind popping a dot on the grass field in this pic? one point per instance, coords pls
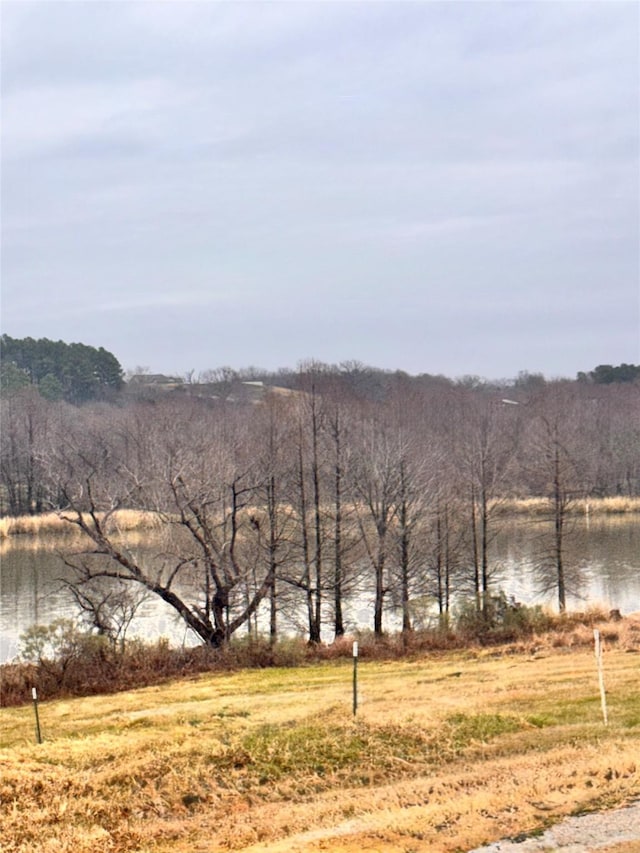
(445, 753)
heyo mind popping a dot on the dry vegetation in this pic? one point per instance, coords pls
(79, 663)
(56, 523)
(448, 751)
(126, 520)
(611, 506)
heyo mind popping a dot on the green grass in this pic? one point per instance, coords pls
(357, 752)
(466, 729)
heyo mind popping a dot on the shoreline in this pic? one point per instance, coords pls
(127, 520)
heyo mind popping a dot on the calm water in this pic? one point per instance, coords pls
(604, 557)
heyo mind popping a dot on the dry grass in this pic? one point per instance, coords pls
(127, 520)
(55, 524)
(613, 506)
(537, 506)
(622, 847)
(447, 752)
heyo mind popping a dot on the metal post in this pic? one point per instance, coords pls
(34, 694)
(603, 695)
(355, 678)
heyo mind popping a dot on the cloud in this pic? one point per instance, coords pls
(319, 169)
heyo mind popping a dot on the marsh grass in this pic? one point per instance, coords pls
(129, 520)
(540, 506)
(57, 524)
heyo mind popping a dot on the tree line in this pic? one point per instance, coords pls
(74, 372)
(278, 510)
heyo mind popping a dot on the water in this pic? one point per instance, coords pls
(602, 559)
(602, 563)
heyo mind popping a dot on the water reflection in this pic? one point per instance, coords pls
(606, 554)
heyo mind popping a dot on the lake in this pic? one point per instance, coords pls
(603, 557)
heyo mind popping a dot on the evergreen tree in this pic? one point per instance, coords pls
(76, 372)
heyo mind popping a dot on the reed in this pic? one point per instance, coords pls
(34, 525)
(613, 505)
(129, 520)
(539, 506)
(58, 524)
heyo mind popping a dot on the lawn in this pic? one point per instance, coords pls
(445, 753)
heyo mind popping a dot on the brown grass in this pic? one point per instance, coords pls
(622, 847)
(56, 524)
(537, 506)
(52, 523)
(448, 751)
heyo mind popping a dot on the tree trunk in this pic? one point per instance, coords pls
(317, 562)
(559, 513)
(380, 589)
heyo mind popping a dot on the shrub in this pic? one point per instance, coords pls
(67, 660)
(503, 620)
(259, 652)
(16, 683)
(60, 659)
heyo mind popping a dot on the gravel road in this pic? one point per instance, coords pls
(582, 834)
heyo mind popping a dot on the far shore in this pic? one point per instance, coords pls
(59, 523)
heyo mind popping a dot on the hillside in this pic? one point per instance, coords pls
(446, 752)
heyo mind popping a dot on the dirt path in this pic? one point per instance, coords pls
(616, 831)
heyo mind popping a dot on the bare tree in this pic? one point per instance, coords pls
(26, 421)
(343, 534)
(376, 485)
(560, 477)
(487, 445)
(107, 608)
(191, 470)
(308, 501)
(272, 437)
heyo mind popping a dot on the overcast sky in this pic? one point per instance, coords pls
(436, 187)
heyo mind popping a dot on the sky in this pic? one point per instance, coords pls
(438, 187)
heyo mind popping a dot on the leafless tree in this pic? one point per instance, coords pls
(556, 447)
(189, 468)
(343, 534)
(376, 486)
(487, 447)
(108, 609)
(26, 421)
(308, 501)
(275, 525)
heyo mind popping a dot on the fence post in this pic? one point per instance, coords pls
(603, 697)
(34, 694)
(355, 677)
